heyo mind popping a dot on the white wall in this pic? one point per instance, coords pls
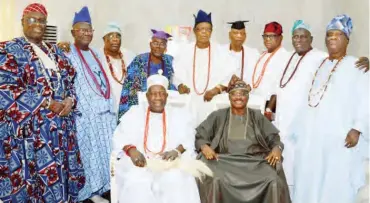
(137, 17)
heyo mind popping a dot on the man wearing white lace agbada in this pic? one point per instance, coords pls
(151, 149)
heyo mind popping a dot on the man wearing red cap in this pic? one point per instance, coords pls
(39, 155)
(266, 72)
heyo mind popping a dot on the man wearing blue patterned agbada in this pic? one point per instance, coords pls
(39, 155)
(97, 121)
(144, 65)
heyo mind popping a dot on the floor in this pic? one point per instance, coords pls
(105, 196)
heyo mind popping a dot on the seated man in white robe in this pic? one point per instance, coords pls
(152, 142)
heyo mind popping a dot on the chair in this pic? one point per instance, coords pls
(174, 99)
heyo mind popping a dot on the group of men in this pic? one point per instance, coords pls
(60, 105)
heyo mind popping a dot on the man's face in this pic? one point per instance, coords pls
(271, 40)
(238, 99)
(203, 32)
(112, 41)
(301, 40)
(336, 41)
(237, 37)
(158, 46)
(34, 25)
(82, 33)
(157, 98)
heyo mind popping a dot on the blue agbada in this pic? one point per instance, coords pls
(137, 74)
(39, 155)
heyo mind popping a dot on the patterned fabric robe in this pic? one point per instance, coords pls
(39, 155)
(137, 73)
(96, 124)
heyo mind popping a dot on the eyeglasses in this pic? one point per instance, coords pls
(159, 44)
(203, 29)
(32, 20)
(113, 36)
(334, 34)
(269, 36)
(83, 31)
(303, 37)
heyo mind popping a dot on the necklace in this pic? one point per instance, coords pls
(323, 88)
(242, 71)
(294, 71)
(257, 83)
(120, 81)
(46, 72)
(106, 94)
(149, 62)
(246, 124)
(209, 69)
(146, 132)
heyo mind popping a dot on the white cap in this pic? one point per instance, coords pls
(112, 27)
(157, 79)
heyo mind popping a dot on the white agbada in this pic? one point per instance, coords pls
(234, 60)
(270, 78)
(141, 184)
(220, 73)
(290, 100)
(325, 170)
(116, 87)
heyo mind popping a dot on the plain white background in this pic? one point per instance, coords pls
(136, 17)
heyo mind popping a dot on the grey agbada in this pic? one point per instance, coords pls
(241, 174)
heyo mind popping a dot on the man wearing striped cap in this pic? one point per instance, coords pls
(332, 137)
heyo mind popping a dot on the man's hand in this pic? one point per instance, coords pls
(268, 115)
(68, 103)
(208, 96)
(65, 46)
(232, 82)
(183, 89)
(208, 152)
(352, 138)
(274, 156)
(363, 64)
(56, 107)
(137, 157)
(170, 155)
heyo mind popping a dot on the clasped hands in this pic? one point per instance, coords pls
(61, 108)
(138, 159)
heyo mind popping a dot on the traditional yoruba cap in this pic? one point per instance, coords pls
(341, 22)
(160, 34)
(112, 27)
(82, 16)
(300, 24)
(274, 27)
(157, 79)
(238, 24)
(35, 7)
(203, 17)
(239, 85)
